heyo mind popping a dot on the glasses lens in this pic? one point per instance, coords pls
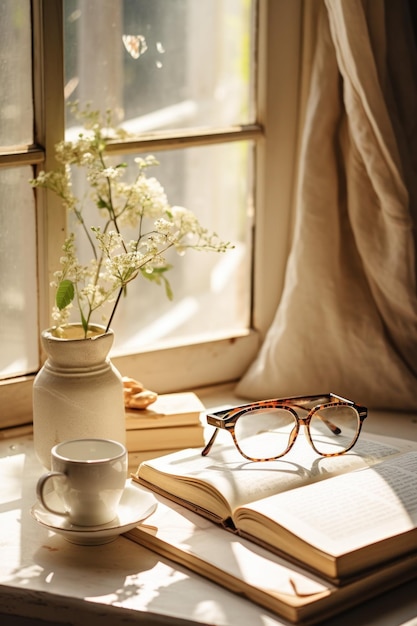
(333, 429)
(265, 434)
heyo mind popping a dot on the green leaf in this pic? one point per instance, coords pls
(102, 204)
(168, 290)
(84, 322)
(64, 294)
(157, 276)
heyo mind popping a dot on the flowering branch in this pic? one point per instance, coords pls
(116, 261)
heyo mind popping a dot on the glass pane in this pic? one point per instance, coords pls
(16, 112)
(18, 286)
(164, 64)
(211, 290)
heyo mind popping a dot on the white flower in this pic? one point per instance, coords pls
(141, 205)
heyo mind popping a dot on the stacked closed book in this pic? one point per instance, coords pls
(169, 424)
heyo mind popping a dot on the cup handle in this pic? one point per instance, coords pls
(41, 484)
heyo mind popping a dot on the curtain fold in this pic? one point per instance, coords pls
(347, 320)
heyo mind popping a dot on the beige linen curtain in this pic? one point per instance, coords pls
(347, 319)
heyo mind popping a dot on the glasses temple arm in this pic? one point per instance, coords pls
(335, 429)
(209, 445)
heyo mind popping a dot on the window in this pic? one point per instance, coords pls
(164, 67)
(200, 94)
(19, 327)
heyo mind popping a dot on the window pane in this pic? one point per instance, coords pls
(18, 286)
(16, 113)
(162, 64)
(211, 290)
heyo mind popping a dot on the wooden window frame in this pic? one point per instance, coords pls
(274, 135)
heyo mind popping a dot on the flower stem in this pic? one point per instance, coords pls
(119, 295)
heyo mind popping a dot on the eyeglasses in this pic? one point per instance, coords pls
(266, 430)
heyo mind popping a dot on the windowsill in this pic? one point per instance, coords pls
(42, 576)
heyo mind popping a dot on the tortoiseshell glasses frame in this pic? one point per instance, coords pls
(340, 418)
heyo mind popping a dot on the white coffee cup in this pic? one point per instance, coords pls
(88, 476)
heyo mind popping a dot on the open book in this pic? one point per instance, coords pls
(257, 574)
(339, 516)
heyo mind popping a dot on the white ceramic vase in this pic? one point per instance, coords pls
(78, 393)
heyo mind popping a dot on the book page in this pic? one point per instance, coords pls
(349, 511)
(240, 558)
(231, 478)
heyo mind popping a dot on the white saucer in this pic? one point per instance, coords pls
(135, 506)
